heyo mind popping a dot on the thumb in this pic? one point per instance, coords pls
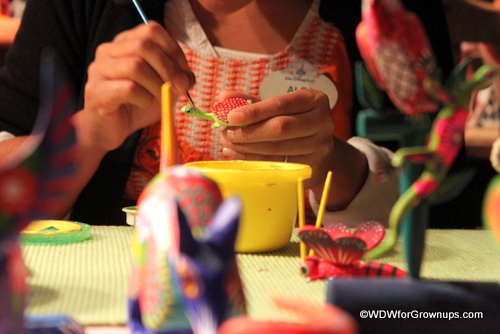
(227, 94)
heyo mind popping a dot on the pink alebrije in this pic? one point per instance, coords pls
(221, 109)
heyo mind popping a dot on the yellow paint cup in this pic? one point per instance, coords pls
(268, 191)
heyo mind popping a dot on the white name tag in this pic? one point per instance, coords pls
(298, 75)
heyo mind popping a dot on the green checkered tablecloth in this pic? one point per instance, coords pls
(88, 280)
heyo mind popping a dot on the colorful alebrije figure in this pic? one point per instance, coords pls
(445, 141)
(491, 201)
(491, 207)
(185, 277)
(219, 111)
(34, 183)
(397, 54)
(313, 318)
(337, 251)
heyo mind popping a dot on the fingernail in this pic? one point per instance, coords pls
(236, 117)
(227, 152)
(229, 134)
(181, 82)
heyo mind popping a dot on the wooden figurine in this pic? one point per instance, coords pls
(397, 55)
(219, 111)
(338, 251)
(34, 182)
(185, 278)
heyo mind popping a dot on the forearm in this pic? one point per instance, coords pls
(349, 172)
(377, 195)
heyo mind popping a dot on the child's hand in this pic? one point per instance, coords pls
(297, 127)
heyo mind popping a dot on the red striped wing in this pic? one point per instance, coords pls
(371, 232)
(342, 251)
(337, 230)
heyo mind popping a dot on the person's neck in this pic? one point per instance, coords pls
(259, 26)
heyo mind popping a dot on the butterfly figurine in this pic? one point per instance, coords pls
(337, 251)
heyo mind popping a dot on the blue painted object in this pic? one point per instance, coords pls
(417, 306)
(52, 324)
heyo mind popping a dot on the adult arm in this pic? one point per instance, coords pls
(114, 104)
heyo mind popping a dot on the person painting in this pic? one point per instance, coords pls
(214, 49)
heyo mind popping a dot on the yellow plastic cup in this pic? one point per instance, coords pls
(268, 191)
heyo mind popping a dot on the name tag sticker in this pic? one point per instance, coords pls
(298, 75)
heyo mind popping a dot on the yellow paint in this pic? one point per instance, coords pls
(51, 227)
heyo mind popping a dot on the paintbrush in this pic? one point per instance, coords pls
(145, 20)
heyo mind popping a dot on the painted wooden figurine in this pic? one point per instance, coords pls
(444, 143)
(314, 318)
(337, 251)
(397, 54)
(219, 111)
(491, 201)
(34, 182)
(185, 278)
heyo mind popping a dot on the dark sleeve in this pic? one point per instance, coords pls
(74, 28)
(58, 24)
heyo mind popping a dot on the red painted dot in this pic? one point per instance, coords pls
(221, 109)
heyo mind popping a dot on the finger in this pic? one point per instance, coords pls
(282, 128)
(161, 50)
(161, 63)
(292, 147)
(300, 159)
(294, 103)
(227, 94)
(108, 96)
(233, 155)
(155, 32)
(134, 69)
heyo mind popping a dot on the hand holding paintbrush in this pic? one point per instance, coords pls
(123, 90)
(145, 20)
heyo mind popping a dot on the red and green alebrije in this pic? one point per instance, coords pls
(221, 109)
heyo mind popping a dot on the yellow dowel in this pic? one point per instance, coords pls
(324, 199)
(302, 215)
(168, 142)
(322, 204)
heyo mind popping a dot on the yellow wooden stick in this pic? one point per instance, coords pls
(322, 203)
(302, 215)
(324, 198)
(168, 142)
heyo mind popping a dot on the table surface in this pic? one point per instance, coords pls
(88, 280)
